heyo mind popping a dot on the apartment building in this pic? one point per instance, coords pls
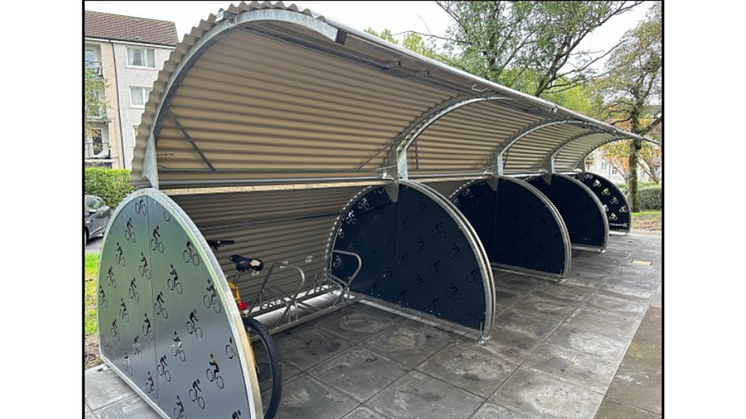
(126, 52)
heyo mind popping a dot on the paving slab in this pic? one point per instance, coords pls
(537, 395)
(368, 308)
(306, 398)
(512, 346)
(638, 382)
(363, 412)
(653, 315)
(623, 307)
(516, 282)
(469, 366)
(305, 346)
(506, 297)
(103, 387)
(544, 307)
(627, 290)
(611, 409)
(417, 395)
(493, 411)
(353, 325)
(603, 322)
(527, 322)
(584, 370)
(566, 293)
(410, 342)
(131, 407)
(358, 372)
(610, 348)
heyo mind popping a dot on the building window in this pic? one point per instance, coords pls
(604, 166)
(96, 147)
(138, 96)
(614, 171)
(141, 57)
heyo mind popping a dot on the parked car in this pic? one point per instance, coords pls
(95, 218)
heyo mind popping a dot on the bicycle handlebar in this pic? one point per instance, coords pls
(217, 243)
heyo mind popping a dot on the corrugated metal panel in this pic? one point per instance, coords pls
(286, 225)
(463, 139)
(531, 151)
(570, 156)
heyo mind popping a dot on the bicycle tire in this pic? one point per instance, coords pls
(254, 327)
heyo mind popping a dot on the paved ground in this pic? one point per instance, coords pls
(590, 347)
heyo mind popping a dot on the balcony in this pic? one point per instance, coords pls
(96, 67)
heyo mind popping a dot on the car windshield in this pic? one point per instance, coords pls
(93, 202)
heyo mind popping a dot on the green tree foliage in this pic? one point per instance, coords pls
(632, 87)
(528, 45)
(412, 41)
(94, 102)
(385, 35)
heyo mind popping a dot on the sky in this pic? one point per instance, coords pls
(424, 17)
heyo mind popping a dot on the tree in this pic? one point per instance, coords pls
(632, 86)
(94, 102)
(412, 41)
(527, 45)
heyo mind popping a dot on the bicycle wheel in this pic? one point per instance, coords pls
(267, 362)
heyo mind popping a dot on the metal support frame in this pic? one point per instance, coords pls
(226, 25)
(189, 138)
(395, 163)
(496, 161)
(610, 140)
(548, 163)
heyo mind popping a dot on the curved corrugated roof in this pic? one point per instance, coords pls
(267, 93)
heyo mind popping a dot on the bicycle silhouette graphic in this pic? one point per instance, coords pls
(173, 282)
(195, 396)
(190, 254)
(144, 270)
(129, 232)
(110, 279)
(162, 371)
(213, 374)
(150, 386)
(179, 409)
(191, 325)
(141, 207)
(159, 306)
(133, 290)
(176, 348)
(146, 328)
(123, 311)
(119, 257)
(155, 242)
(455, 253)
(102, 301)
(230, 348)
(211, 300)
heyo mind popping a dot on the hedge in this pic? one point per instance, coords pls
(112, 185)
(650, 198)
(623, 187)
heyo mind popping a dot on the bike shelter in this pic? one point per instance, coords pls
(613, 200)
(277, 127)
(581, 210)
